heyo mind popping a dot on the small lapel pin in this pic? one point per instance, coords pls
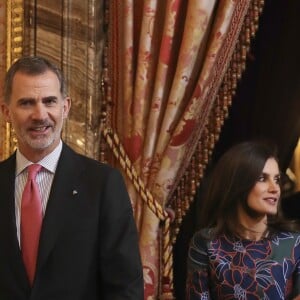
(75, 192)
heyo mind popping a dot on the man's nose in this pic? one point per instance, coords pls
(39, 112)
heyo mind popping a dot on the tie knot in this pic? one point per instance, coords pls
(33, 170)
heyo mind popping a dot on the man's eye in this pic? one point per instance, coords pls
(50, 102)
(26, 103)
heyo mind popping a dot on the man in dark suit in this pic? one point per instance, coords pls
(88, 243)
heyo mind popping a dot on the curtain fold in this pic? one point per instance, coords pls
(167, 61)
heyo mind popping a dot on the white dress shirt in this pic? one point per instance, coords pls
(44, 180)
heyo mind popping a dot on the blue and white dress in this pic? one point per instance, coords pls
(233, 268)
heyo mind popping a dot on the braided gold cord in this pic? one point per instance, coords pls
(167, 258)
(114, 143)
(118, 150)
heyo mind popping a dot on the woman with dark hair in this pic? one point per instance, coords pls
(245, 249)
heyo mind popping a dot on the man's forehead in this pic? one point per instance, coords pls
(44, 80)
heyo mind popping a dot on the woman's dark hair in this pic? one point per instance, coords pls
(229, 184)
(31, 65)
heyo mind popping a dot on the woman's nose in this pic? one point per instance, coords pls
(274, 186)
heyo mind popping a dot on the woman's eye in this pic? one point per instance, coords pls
(277, 179)
(261, 178)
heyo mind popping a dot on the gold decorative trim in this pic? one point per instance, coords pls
(14, 49)
(190, 181)
(15, 30)
(119, 152)
(8, 32)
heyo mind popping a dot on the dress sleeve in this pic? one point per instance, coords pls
(197, 285)
(297, 269)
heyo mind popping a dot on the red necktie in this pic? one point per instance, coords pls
(31, 221)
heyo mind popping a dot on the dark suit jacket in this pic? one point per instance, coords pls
(88, 245)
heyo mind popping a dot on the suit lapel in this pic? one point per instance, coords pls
(8, 231)
(60, 201)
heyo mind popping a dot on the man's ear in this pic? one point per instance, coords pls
(5, 111)
(67, 106)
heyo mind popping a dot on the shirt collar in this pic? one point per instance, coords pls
(49, 162)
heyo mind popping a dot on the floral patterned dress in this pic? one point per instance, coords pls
(225, 268)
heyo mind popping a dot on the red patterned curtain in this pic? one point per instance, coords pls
(172, 69)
